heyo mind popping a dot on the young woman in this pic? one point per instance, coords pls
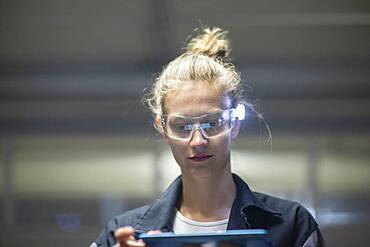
(195, 102)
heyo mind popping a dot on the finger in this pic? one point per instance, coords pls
(124, 233)
(135, 243)
(152, 232)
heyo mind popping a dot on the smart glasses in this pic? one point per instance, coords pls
(180, 127)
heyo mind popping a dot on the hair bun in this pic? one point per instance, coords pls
(212, 42)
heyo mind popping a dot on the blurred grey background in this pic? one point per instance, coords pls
(78, 147)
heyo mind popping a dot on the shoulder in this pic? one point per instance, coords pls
(281, 205)
(129, 218)
(296, 218)
(155, 215)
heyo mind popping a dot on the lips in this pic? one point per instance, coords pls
(200, 157)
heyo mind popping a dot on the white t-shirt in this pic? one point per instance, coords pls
(186, 225)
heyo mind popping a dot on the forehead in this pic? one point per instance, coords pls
(195, 101)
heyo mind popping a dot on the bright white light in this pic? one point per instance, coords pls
(240, 112)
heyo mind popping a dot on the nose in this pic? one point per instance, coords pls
(198, 139)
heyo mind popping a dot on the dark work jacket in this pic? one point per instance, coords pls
(287, 223)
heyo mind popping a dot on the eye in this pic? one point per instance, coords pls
(216, 122)
(182, 127)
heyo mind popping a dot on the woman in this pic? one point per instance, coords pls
(195, 103)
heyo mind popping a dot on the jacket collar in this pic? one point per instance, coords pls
(162, 211)
(248, 211)
(245, 195)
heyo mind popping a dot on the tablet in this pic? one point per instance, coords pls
(242, 238)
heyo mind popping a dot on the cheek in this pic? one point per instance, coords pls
(222, 147)
(225, 142)
(177, 149)
(227, 145)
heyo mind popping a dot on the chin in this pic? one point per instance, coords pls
(201, 173)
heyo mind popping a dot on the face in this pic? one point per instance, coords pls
(199, 156)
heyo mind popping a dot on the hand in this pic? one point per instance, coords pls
(125, 237)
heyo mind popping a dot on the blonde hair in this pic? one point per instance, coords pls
(204, 62)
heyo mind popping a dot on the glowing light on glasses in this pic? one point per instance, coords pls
(240, 112)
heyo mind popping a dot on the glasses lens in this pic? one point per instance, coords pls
(216, 123)
(181, 127)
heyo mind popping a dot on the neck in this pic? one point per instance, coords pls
(208, 199)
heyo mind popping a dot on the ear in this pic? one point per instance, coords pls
(158, 123)
(235, 129)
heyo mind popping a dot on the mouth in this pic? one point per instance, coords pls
(200, 157)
